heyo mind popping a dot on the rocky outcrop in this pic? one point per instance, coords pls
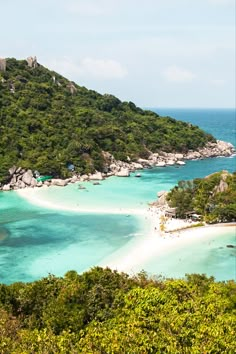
(124, 172)
(72, 88)
(161, 201)
(3, 64)
(32, 62)
(96, 176)
(20, 178)
(59, 182)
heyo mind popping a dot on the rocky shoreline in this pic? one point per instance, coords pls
(20, 178)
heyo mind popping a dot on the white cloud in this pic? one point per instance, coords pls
(176, 74)
(100, 69)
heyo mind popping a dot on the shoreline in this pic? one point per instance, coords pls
(30, 195)
(152, 243)
(157, 246)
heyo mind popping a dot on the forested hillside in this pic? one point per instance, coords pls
(104, 312)
(213, 197)
(47, 122)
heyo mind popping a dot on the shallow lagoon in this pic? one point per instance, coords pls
(35, 241)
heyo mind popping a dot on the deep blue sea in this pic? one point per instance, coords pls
(37, 240)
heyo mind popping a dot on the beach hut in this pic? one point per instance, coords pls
(170, 213)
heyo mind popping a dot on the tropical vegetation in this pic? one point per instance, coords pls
(106, 312)
(48, 123)
(213, 198)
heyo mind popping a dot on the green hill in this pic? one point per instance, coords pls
(48, 122)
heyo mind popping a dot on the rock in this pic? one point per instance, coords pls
(13, 180)
(6, 187)
(144, 162)
(3, 64)
(96, 176)
(162, 199)
(12, 170)
(193, 155)
(58, 182)
(222, 187)
(27, 177)
(230, 246)
(45, 183)
(137, 166)
(72, 88)
(124, 172)
(32, 62)
(84, 178)
(18, 170)
(161, 164)
(170, 162)
(159, 194)
(33, 182)
(179, 156)
(74, 179)
(113, 167)
(20, 184)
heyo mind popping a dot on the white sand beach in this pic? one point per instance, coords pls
(31, 195)
(156, 241)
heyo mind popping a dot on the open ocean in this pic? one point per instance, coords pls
(35, 241)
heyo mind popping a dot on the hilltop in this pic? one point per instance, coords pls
(48, 123)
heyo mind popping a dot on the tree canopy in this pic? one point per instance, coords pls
(106, 312)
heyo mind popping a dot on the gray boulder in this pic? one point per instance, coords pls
(27, 177)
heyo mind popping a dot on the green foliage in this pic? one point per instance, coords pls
(46, 127)
(213, 197)
(102, 311)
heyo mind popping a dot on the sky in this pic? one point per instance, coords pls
(155, 53)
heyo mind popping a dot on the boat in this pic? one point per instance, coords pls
(43, 178)
(138, 175)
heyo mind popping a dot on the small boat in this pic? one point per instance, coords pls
(81, 187)
(43, 178)
(138, 175)
(96, 183)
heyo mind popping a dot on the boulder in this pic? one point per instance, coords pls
(58, 182)
(170, 162)
(124, 172)
(161, 164)
(159, 194)
(27, 177)
(6, 187)
(96, 177)
(137, 166)
(33, 182)
(162, 199)
(179, 156)
(12, 170)
(84, 178)
(20, 184)
(114, 167)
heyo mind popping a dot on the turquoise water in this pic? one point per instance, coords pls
(36, 241)
(210, 256)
